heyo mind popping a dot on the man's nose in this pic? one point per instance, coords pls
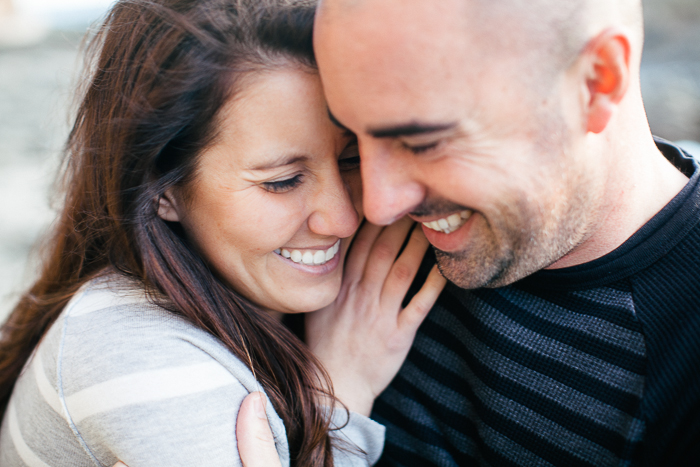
(390, 188)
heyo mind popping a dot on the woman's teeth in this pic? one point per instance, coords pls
(450, 223)
(310, 257)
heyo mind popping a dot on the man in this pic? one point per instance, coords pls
(515, 132)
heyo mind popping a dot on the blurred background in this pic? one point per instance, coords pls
(39, 62)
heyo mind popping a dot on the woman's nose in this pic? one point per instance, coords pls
(334, 212)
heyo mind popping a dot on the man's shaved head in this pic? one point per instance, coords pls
(496, 111)
(548, 34)
(554, 32)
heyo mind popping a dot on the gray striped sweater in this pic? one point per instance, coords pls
(118, 378)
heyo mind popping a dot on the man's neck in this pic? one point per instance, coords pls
(642, 184)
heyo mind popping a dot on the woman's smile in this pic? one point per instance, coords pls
(310, 256)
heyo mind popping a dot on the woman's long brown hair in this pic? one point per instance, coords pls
(160, 70)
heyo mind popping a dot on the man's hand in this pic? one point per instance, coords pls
(255, 442)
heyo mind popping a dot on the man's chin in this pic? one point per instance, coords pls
(475, 271)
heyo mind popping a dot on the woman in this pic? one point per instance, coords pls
(208, 195)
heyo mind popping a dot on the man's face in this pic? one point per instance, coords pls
(452, 133)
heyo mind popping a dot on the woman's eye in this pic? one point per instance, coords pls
(349, 163)
(350, 158)
(282, 186)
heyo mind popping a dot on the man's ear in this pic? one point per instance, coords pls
(607, 74)
(168, 207)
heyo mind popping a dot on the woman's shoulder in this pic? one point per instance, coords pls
(121, 301)
(112, 329)
(129, 376)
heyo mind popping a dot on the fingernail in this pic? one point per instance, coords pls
(259, 406)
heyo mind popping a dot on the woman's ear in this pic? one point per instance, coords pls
(167, 207)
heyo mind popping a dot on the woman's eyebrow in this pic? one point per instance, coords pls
(280, 161)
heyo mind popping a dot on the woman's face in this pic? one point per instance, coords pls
(276, 199)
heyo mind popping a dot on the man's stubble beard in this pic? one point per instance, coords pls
(519, 238)
(513, 250)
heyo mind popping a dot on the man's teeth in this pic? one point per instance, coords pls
(450, 223)
(310, 257)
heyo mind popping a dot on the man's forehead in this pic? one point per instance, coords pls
(339, 5)
(389, 30)
(391, 12)
(395, 49)
(444, 35)
(425, 65)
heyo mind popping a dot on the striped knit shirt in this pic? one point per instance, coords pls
(118, 378)
(593, 365)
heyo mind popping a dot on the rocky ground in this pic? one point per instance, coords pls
(35, 93)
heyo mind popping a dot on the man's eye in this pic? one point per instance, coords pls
(282, 186)
(421, 148)
(350, 158)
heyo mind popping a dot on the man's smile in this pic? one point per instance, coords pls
(450, 223)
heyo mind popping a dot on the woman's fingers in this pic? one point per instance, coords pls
(120, 464)
(360, 250)
(405, 268)
(421, 303)
(385, 249)
(256, 444)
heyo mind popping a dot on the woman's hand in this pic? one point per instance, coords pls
(364, 336)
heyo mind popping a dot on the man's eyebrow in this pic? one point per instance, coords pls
(281, 161)
(336, 122)
(410, 129)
